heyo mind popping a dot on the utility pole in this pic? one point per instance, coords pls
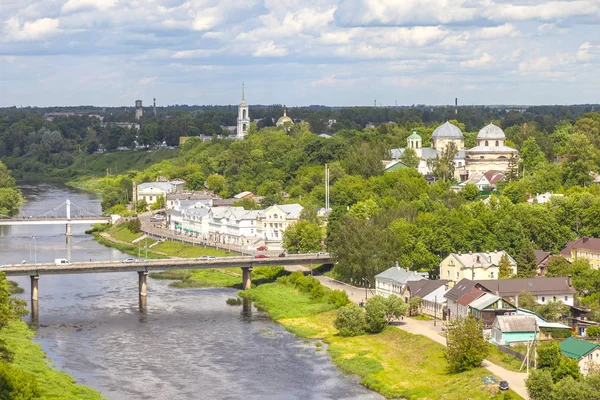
(435, 312)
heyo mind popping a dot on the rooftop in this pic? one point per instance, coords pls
(584, 243)
(491, 131)
(515, 323)
(399, 275)
(536, 286)
(575, 348)
(447, 131)
(423, 287)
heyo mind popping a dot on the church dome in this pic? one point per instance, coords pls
(447, 131)
(282, 120)
(491, 132)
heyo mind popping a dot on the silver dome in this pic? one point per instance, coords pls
(447, 131)
(491, 132)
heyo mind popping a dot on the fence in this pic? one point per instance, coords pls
(508, 350)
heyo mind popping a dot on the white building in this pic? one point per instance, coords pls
(243, 119)
(393, 281)
(152, 191)
(491, 152)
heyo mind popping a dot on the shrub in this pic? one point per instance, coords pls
(134, 225)
(375, 318)
(338, 298)
(16, 384)
(466, 346)
(540, 385)
(350, 320)
(593, 331)
(317, 292)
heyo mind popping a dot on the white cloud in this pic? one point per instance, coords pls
(482, 61)
(147, 80)
(495, 32)
(194, 53)
(77, 5)
(270, 49)
(545, 11)
(31, 30)
(587, 52)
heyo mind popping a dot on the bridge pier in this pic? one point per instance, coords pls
(142, 282)
(35, 279)
(246, 278)
(68, 230)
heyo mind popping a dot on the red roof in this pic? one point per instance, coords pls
(470, 296)
(584, 243)
(494, 176)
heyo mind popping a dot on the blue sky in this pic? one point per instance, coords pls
(299, 52)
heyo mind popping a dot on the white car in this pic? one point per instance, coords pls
(131, 260)
(206, 258)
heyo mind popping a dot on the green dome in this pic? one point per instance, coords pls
(414, 136)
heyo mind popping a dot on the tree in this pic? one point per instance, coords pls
(159, 203)
(558, 266)
(414, 305)
(539, 385)
(303, 237)
(567, 367)
(216, 183)
(410, 158)
(527, 301)
(443, 164)
(470, 192)
(593, 331)
(504, 267)
(350, 320)
(376, 314)
(247, 204)
(580, 158)
(548, 356)
(526, 261)
(531, 155)
(134, 225)
(395, 308)
(466, 347)
(553, 311)
(569, 389)
(141, 205)
(364, 159)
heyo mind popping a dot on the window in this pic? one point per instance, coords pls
(481, 157)
(492, 275)
(554, 298)
(543, 299)
(456, 274)
(586, 255)
(486, 143)
(566, 298)
(150, 198)
(244, 116)
(448, 273)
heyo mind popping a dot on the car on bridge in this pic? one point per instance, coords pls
(131, 260)
(262, 248)
(261, 256)
(206, 258)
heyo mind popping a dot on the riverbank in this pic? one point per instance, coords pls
(29, 358)
(395, 363)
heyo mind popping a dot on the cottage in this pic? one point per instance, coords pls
(586, 248)
(587, 354)
(460, 296)
(431, 293)
(393, 280)
(488, 306)
(513, 329)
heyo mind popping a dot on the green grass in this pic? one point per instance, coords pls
(199, 278)
(179, 249)
(121, 161)
(129, 249)
(121, 232)
(13, 287)
(422, 317)
(282, 301)
(504, 360)
(30, 358)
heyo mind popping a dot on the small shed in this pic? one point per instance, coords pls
(509, 329)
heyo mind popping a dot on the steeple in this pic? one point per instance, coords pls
(243, 120)
(243, 93)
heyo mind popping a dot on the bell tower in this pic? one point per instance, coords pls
(243, 119)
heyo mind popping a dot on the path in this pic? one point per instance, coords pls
(516, 380)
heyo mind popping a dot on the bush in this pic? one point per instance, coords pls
(593, 331)
(375, 318)
(466, 346)
(350, 320)
(338, 298)
(16, 384)
(540, 385)
(134, 225)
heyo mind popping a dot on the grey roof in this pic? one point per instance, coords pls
(399, 275)
(166, 186)
(292, 210)
(515, 323)
(536, 286)
(447, 131)
(491, 131)
(481, 260)
(491, 149)
(396, 153)
(423, 287)
(484, 301)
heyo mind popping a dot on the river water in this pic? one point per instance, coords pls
(189, 344)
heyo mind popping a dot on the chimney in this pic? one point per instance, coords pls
(459, 252)
(569, 280)
(407, 270)
(397, 265)
(470, 252)
(478, 258)
(585, 239)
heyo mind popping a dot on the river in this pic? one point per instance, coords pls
(189, 344)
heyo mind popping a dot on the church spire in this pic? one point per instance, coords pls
(243, 91)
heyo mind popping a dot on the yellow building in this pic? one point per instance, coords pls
(474, 266)
(585, 248)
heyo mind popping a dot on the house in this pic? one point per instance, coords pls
(152, 191)
(494, 177)
(587, 354)
(460, 296)
(584, 248)
(244, 195)
(543, 198)
(544, 289)
(513, 329)
(393, 280)
(488, 306)
(393, 165)
(432, 294)
(475, 266)
(542, 258)
(546, 329)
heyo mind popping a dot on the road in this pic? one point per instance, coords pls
(516, 380)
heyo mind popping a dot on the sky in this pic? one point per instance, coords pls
(299, 52)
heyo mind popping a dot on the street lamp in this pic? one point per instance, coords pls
(367, 284)
(34, 250)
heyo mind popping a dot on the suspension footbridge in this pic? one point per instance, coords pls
(56, 215)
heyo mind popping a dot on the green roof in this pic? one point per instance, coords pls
(396, 166)
(414, 136)
(575, 348)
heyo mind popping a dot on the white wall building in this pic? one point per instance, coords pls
(243, 119)
(151, 191)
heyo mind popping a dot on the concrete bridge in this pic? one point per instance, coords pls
(143, 267)
(68, 220)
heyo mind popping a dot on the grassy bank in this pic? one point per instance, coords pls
(30, 358)
(230, 277)
(394, 363)
(13, 287)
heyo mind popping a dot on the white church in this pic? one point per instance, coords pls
(491, 152)
(243, 119)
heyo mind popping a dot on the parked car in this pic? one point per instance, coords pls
(204, 258)
(503, 385)
(262, 248)
(131, 260)
(320, 253)
(261, 256)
